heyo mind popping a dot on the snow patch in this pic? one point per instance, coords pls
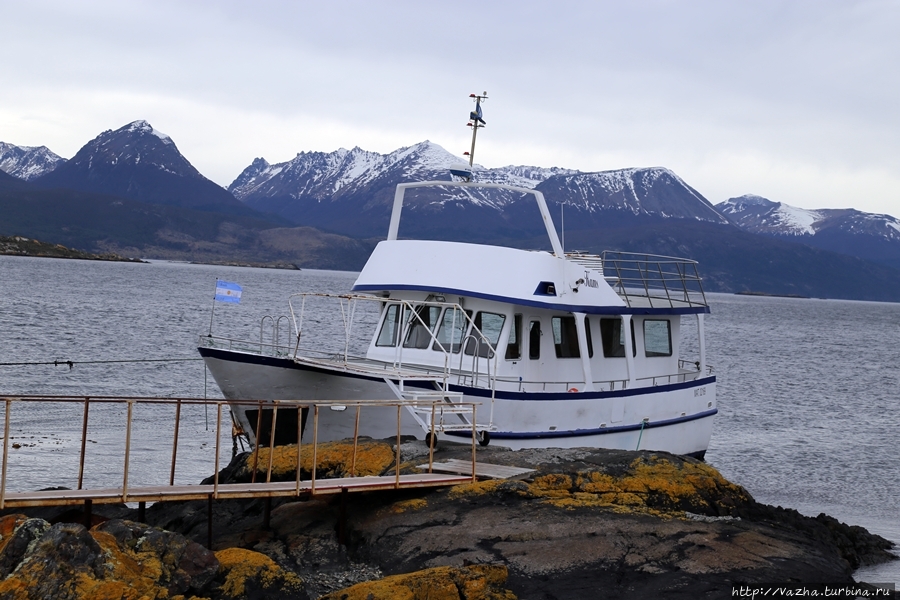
(142, 126)
(799, 220)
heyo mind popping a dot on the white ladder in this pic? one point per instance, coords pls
(449, 415)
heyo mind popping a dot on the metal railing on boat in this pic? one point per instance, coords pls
(216, 490)
(658, 281)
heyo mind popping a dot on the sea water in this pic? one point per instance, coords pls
(807, 389)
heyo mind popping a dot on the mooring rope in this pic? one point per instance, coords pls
(72, 363)
(640, 436)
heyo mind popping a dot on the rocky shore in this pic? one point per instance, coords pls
(582, 523)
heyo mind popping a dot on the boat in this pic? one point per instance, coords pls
(525, 348)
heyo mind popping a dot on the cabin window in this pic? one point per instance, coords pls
(514, 344)
(450, 331)
(534, 340)
(612, 333)
(389, 328)
(490, 325)
(565, 337)
(421, 323)
(657, 338)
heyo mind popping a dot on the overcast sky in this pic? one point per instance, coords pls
(797, 101)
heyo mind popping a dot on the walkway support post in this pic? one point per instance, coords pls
(5, 454)
(84, 424)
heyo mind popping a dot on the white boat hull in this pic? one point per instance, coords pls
(674, 418)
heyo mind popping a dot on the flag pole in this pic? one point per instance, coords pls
(213, 312)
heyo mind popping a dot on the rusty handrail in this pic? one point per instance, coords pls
(128, 491)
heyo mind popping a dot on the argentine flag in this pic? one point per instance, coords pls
(226, 291)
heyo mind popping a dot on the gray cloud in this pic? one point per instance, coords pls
(795, 101)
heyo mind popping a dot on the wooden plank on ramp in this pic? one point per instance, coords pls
(62, 497)
(488, 470)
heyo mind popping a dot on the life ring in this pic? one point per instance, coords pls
(573, 390)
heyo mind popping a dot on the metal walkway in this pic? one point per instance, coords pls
(216, 490)
(229, 491)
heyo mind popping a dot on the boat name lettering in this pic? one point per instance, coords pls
(701, 391)
(590, 282)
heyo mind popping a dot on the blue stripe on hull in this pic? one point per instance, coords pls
(287, 363)
(509, 435)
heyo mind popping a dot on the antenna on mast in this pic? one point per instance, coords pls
(476, 121)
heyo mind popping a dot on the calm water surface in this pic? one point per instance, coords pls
(807, 389)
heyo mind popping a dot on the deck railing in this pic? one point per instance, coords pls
(657, 281)
(688, 371)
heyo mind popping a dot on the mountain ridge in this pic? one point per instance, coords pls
(131, 191)
(139, 162)
(351, 192)
(871, 236)
(28, 162)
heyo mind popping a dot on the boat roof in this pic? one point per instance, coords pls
(520, 277)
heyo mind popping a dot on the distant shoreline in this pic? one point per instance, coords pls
(770, 295)
(22, 246)
(258, 265)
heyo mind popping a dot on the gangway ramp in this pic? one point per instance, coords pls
(272, 489)
(88, 494)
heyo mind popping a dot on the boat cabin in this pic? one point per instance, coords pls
(527, 349)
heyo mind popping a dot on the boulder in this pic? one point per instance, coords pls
(127, 560)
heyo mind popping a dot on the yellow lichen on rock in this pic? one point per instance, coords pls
(597, 483)
(138, 571)
(241, 565)
(332, 458)
(693, 483)
(122, 576)
(651, 484)
(554, 485)
(476, 582)
(475, 489)
(413, 504)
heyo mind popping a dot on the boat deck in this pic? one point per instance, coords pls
(378, 368)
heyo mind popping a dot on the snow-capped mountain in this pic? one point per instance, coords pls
(323, 175)
(28, 162)
(653, 191)
(351, 192)
(874, 237)
(140, 163)
(761, 215)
